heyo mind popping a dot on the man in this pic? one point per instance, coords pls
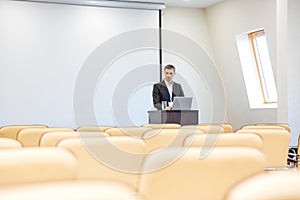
(167, 89)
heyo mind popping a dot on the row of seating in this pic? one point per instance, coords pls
(13, 131)
(51, 173)
(275, 138)
(275, 147)
(157, 176)
(173, 173)
(200, 166)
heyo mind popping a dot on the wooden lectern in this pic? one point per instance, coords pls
(182, 117)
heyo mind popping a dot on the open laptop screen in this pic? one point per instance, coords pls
(182, 103)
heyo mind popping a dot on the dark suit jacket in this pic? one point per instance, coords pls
(160, 93)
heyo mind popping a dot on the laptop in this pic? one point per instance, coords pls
(182, 103)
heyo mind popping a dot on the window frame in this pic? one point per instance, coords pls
(259, 68)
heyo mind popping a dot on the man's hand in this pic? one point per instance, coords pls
(169, 108)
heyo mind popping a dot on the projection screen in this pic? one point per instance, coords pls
(70, 65)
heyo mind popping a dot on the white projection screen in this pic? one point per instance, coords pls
(69, 66)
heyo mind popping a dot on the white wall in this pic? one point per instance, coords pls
(215, 29)
(294, 68)
(226, 20)
(190, 22)
(187, 45)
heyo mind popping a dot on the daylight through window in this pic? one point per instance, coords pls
(257, 69)
(263, 65)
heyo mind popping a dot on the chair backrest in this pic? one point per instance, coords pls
(69, 190)
(30, 137)
(275, 145)
(162, 126)
(158, 139)
(285, 126)
(249, 127)
(108, 158)
(8, 143)
(12, 131)
(94, 128)
(225, 140)
(128, 131)
(206, 128)
(183, 174)
(226, 126)
(53, 138)
(274, 186)
(27, 165)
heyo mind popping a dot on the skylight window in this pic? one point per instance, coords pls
(257, 69)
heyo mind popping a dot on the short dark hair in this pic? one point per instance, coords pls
(169, 67)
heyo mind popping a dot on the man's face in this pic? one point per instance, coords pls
(169, 74)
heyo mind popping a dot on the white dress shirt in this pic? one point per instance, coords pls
(170, 89)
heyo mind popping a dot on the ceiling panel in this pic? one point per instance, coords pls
(184, 3)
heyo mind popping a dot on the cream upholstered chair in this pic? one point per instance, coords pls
(206, 128)
(178, 173)
(69, 190)
(158, 139)
(285, 126)
(249, 127)
(8, 143)
(29, 165)
(225, 140)
(162, 126)
(116, 158)
(94, 128)
(226, 126)
(195, 127)
(30, 137)
(12, 131)
(53, 138)
(51, 173)
(275, 145)
(128, 131)
(265, 186)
